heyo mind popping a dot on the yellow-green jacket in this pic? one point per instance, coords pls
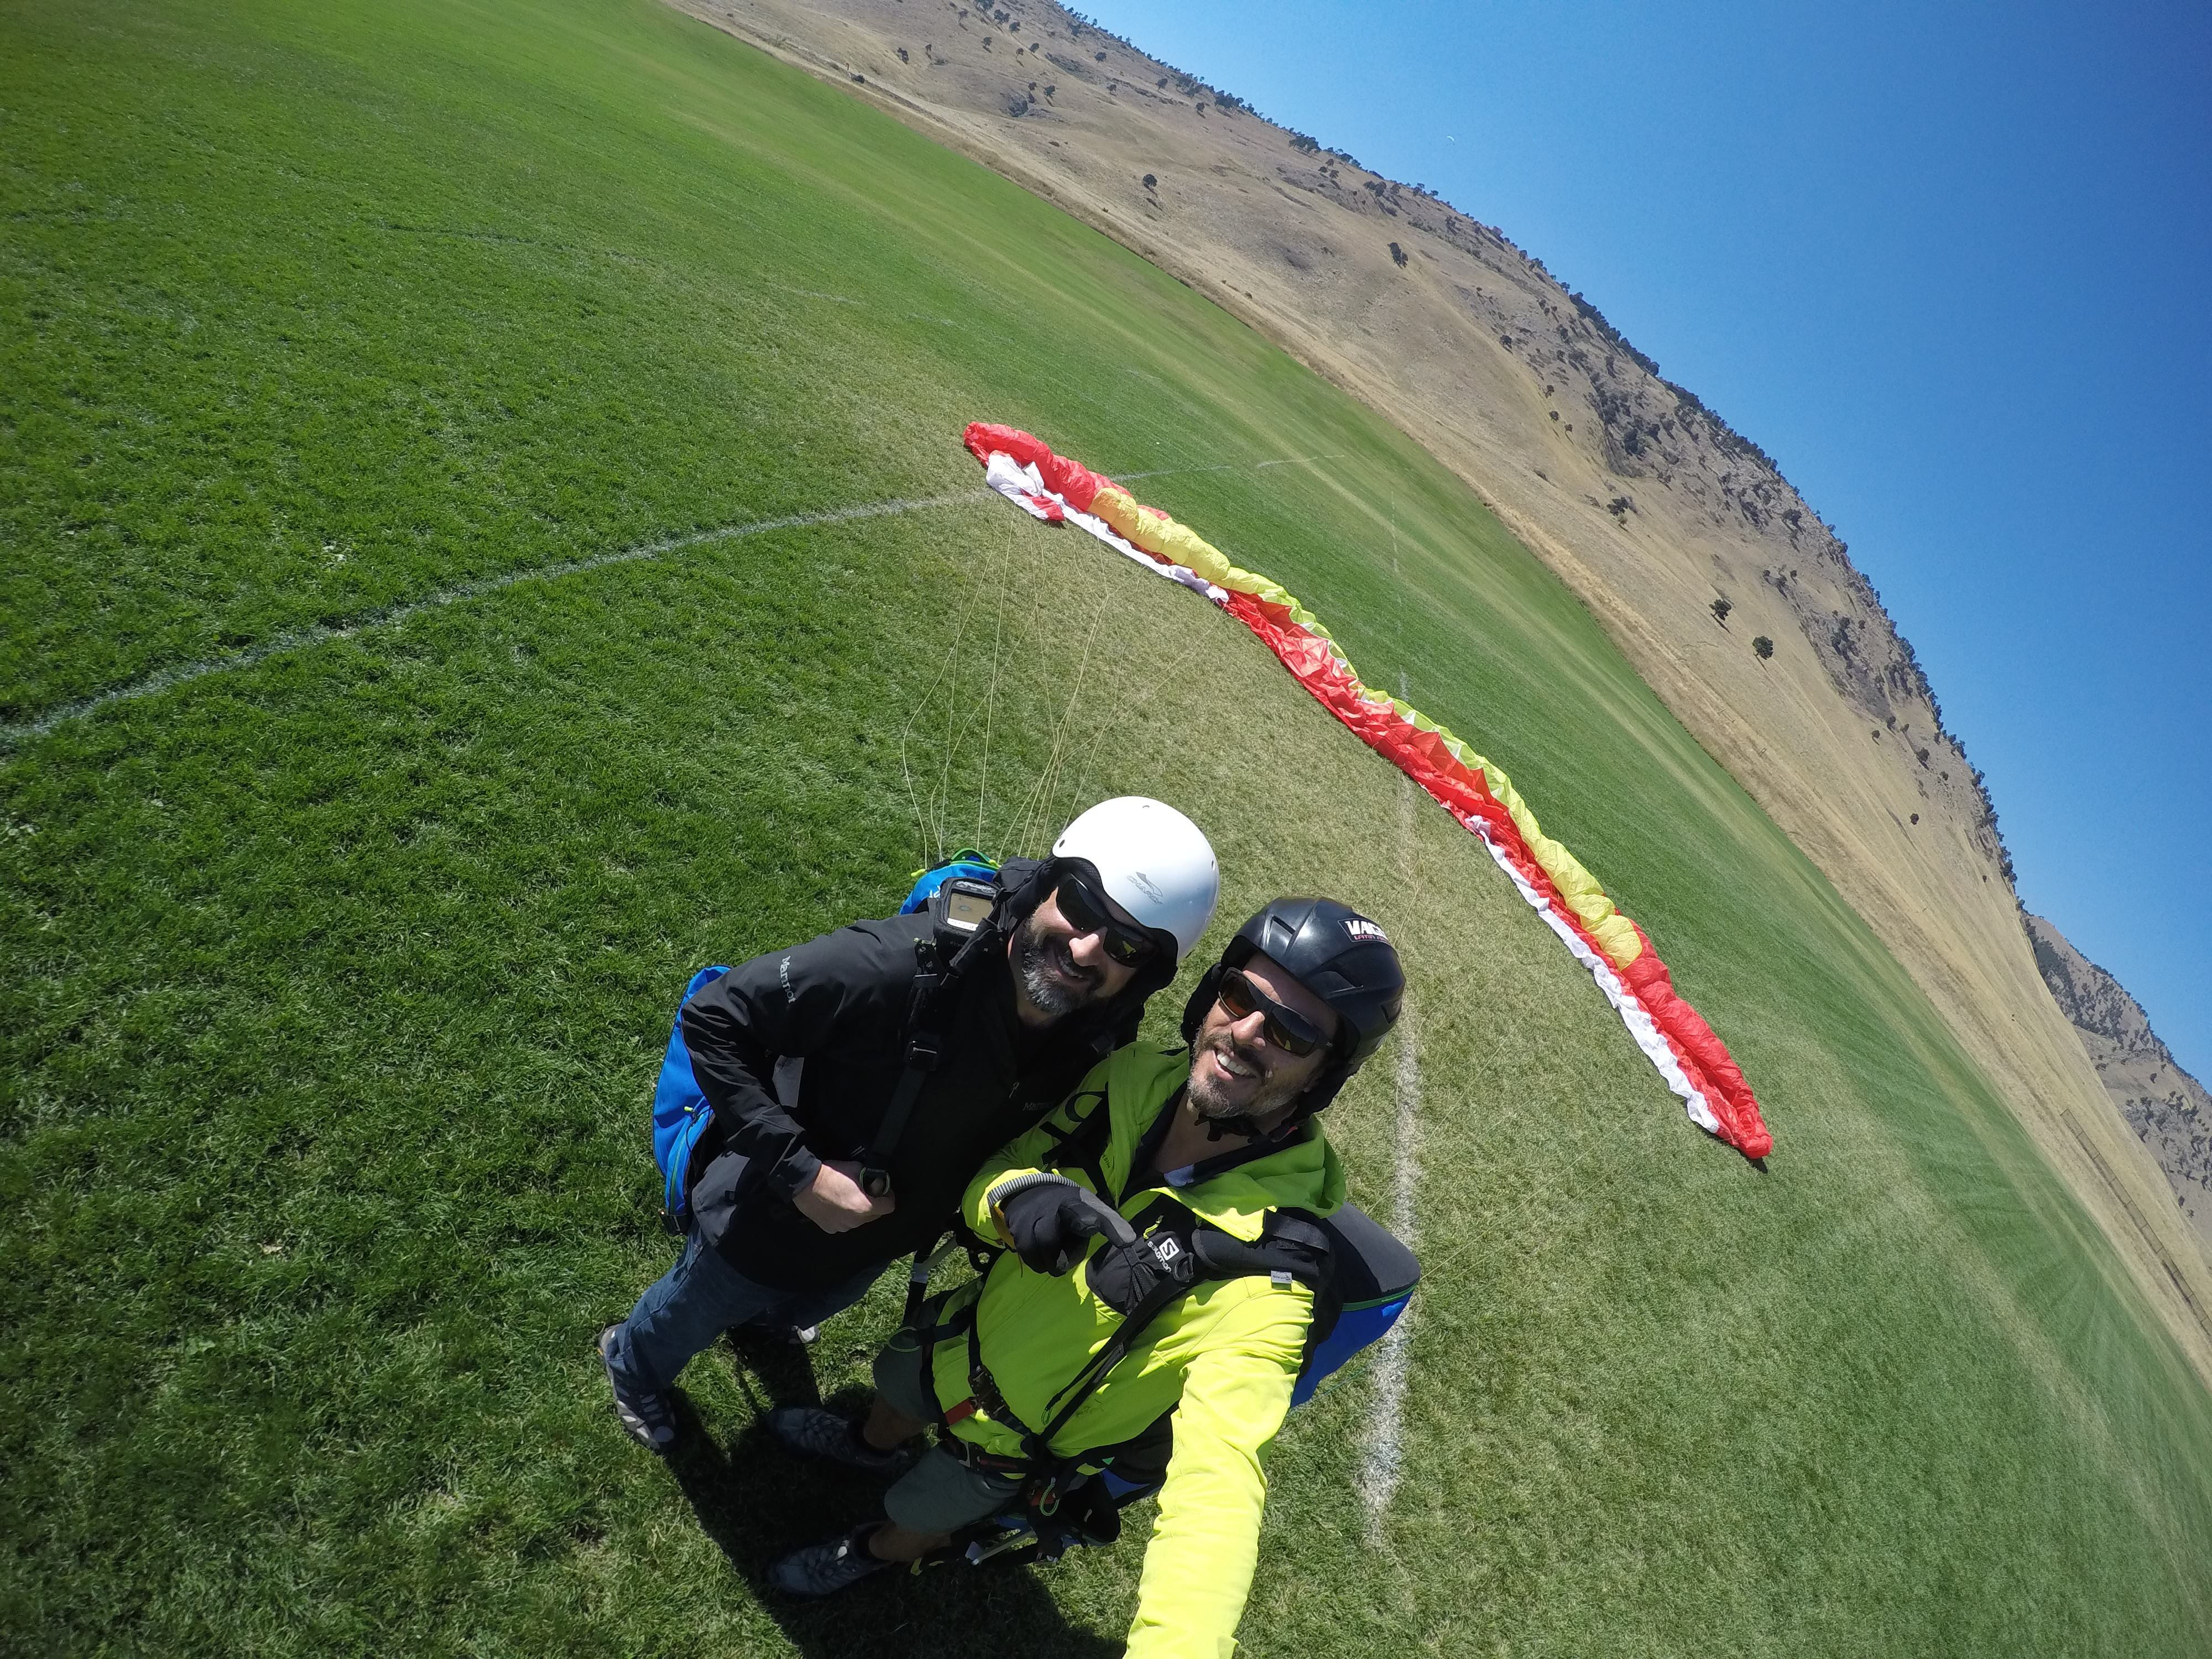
(1225, 1357)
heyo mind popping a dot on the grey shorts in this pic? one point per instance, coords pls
(938, 1494)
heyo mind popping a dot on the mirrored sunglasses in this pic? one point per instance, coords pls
(1084, 908)
(1293, 1034)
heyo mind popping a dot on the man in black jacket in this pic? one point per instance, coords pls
(801, 1053)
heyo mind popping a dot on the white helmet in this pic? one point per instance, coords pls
(1153, 862)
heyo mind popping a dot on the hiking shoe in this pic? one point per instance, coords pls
(822, 1570)
(816, 1432)
(646, 1417)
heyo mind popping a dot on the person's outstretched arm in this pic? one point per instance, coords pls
(1198, 1570)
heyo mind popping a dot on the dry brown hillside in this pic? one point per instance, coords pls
(1649, 505)
(2168, 1109)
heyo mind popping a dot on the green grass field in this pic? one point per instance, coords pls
(334, 979)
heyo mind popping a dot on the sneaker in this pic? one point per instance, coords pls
(646, 1417)
(816, 1432)
(822, 1570)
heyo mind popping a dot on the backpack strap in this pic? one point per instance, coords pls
(1082, 1145)
(934, 975)
(1292, 1247)
(924, 1050)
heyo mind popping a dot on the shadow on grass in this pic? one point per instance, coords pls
(758, 1501)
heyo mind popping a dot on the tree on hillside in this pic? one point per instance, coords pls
(1721, 609)
(1762, 648)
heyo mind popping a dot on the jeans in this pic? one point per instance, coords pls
(702, 1296)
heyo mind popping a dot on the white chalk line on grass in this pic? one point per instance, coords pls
(162, 679)
(1381, 1452)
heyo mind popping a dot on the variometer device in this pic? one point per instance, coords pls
(961, 905)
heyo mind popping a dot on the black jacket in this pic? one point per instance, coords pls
(839, 1003)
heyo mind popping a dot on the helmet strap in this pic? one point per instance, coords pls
(1201, 999)
(1244, 1124)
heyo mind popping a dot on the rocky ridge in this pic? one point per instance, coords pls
(2169, 1110)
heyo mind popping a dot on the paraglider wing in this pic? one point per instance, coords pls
(1687, 1054)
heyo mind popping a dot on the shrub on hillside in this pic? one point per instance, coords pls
(1721, 609)
(1762, 648)
(1398, 255)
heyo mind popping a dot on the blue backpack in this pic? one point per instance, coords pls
(1375, 1274)
(680, 1112)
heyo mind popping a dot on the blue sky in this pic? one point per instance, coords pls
(1950, 265)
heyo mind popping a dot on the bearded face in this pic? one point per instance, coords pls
(1229, 1079)
(1236, 1071)
(1045, 966)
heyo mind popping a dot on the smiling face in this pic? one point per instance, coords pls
(1235, 1070)
(1057, 969)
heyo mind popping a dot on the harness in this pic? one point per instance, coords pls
(941, 958)
(1177, 1252)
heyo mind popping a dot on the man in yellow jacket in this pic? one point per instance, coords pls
(1154, 1225)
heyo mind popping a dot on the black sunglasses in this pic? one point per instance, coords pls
(1084, 908)
(1292, 1033)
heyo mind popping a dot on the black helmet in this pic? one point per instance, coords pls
(1339, 955)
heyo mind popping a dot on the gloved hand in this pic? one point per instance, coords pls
(1051, 1221)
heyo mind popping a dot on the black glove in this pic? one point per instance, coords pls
(1049, 1223)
